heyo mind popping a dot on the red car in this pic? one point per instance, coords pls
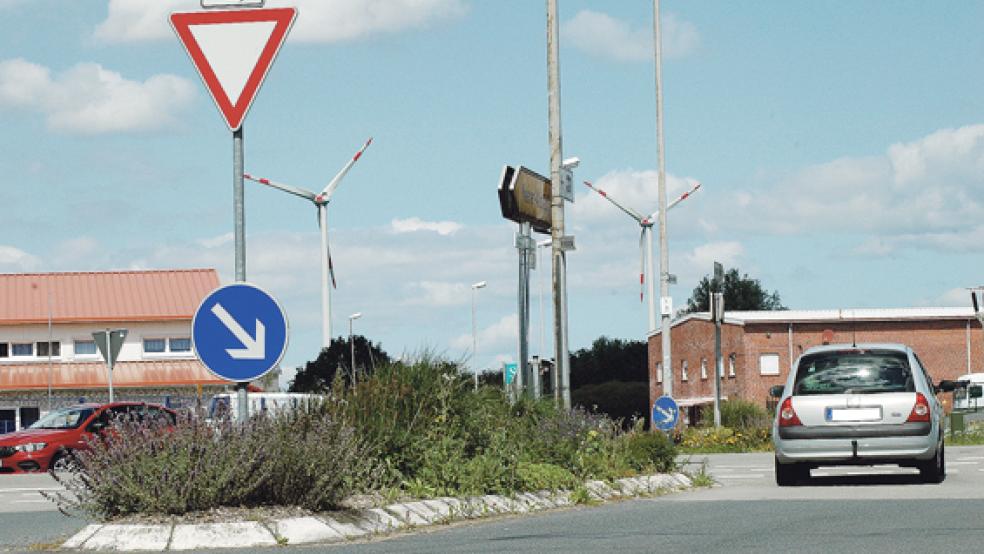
(45, 444)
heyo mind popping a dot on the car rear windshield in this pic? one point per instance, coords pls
(854, 371)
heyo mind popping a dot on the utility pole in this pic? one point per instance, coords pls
(665, 301)
(562, 355)
(239, 218)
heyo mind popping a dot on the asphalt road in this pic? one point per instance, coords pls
(841, 510)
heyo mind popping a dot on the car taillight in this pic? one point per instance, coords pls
(920, 412)
(787, 415)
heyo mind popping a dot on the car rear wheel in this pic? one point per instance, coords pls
(934, 470)
(791, 474)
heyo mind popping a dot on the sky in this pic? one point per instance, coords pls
(840, 148)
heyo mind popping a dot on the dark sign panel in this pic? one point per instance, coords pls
(524, 196)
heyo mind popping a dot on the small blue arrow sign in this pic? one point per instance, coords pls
(511, 372)
(239, 332)
(665, 413)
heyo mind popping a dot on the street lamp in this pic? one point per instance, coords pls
(352, 318)
(475, 287)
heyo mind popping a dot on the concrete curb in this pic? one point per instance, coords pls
(356, 524)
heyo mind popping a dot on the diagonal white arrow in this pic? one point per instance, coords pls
(255, 349)
(667, 414)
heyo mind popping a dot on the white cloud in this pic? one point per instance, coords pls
(14, 259)
(602, 35)
(89, 99)
(414, 224)
(317, 20)
(728, 253)
(926, 192)
(498, 336)
(434, 293)
(636, 190)
(959, 297)
(213, 242)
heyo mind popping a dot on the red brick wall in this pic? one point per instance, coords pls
(940, 344)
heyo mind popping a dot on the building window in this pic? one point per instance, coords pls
(683, 371)
(85, 348)
(154, 346)
(659, 372)
(22, 349)
(43, 349)
(703, 368)
(180, 345)
(4, 350)
(731, 365)
(769, 364)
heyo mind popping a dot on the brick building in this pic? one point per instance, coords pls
(760, 347)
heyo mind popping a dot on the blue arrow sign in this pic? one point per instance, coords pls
(511, 372)
(239, 332)
(665, 413)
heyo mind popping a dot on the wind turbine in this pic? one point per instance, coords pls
(645, 245)
(321, 202)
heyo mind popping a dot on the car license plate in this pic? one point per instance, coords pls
(853, 414)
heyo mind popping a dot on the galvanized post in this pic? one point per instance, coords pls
(239, 218)
(718, 314)
(109, 359)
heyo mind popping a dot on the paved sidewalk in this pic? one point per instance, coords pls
(354, 524)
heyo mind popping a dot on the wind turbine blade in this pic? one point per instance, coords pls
(331, 267)
(337, 179)
(684, 196)
(286, 188)
(632, 213)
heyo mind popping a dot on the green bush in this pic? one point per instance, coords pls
(645, 451)
(738, 414)
(724, 439)
(306, 459)
(542, 476)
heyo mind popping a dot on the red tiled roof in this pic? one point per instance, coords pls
(117, 296)
(93, 375)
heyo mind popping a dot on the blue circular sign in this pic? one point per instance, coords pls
(666, 413)
(239, 332)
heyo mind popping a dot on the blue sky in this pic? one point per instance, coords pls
(840, 146)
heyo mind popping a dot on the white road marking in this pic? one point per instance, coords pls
(977, 458)
(30, 489)
(740, 476)
(42, 501)
(962, 463)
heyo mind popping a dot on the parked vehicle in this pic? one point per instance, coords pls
(969, 396)
(46, 444)
(226, 405)
(860, 404)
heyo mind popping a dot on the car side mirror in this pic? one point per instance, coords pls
(776, 391)
(947, 385)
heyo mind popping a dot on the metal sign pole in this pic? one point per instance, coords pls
(524, 242)
(717, 300)
(239, 216)
(109, 360)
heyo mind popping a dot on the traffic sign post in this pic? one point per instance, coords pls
(666, 414)
(233, 49)
(109, 344)
(240, 333)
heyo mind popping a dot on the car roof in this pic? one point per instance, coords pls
(859, 346)
(97, 405)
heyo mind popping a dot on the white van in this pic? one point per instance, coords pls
(226, 405)
(969, 397)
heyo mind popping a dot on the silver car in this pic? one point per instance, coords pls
(859, 404)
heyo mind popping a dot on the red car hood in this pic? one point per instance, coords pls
(37, 435)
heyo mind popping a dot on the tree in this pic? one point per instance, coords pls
(317, 376)
(610, 360)
(741, 293)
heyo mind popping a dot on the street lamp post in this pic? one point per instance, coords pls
(475, 287)
(352, 318)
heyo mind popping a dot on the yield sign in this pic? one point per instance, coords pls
(233, 50)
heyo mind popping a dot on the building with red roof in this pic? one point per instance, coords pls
(49, 359)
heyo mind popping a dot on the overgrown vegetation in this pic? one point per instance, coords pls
(745, 427)
(407, 428)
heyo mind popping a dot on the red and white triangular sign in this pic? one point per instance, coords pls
(233, 50)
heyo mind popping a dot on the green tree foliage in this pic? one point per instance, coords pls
(618, 400)
(741, 293)
(610, 360)
(317, 376)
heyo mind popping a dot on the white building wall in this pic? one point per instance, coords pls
(67, 334)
